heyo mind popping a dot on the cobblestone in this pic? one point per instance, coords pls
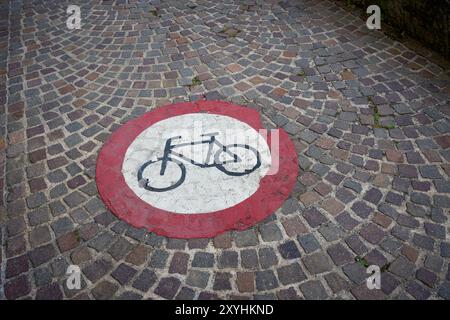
(267, 257)
(203, 260)
(313, 290)
(291, 274)
(266, 280)
(167, 287)
(401, 267)
(145, 280)
(198, 279)
(317, 263)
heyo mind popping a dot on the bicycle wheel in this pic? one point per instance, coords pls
(150, 172)
(250, 160)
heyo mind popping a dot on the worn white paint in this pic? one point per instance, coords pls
(204, 189)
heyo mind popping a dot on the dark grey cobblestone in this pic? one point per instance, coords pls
(266, 280)
(267, 257)
(145, 280)
(289, 274)
(228, 259)
(198, 279)
(203, 260)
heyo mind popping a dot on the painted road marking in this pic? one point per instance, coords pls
(196, 166)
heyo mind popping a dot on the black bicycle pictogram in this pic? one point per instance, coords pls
(171, 160)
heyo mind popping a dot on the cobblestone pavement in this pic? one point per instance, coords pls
(370, 119)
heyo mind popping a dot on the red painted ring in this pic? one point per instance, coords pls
(125, 204)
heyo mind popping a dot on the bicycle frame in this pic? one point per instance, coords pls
(168, 152)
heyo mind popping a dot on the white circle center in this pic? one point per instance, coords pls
(196, 163)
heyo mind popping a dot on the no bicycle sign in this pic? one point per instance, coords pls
(196, 169)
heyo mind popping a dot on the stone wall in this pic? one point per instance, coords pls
(428, 21)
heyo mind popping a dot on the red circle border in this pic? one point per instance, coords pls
(126, 205)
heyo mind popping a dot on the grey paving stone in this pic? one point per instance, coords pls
(245, 238)
(97, 269)
(313, 290)
(423, 242)
(179, 263)
(222, 282)
(375, 257)
(417, 291)
(433, 262)
(390, 282)
(430, 172)
(355, 243)
(203, 260)
(57, 208)
(339, 254)
(62, 226)
(336, 282)
(154, 240)
(356, 272)
(416, 211)
(59, 267)
(318, 263)
(266, 280)
(444, 290)
(168, 287)
(314, 217)
(331, 232)
(267, 257)
(427, 277)
(74, 199)
(420, 198)
(123, 273)
(290, 206)
(129, 295)
(441, 201)
(391, 245)
(61, 110)
(402, 268)
(39, 216)
(185, 294)
(445, 250)
(372, 233)
(102, 241)
(309, 243)
(228, 259)
(290, 274)
(388, 210)
(36, 200)
(145, 280)
(197, 279)
(289, 250)
(373, 195)
(347, 221)
(270, 232)
(120, 248)
(43, 276)
(435, 230)
(361, 209)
